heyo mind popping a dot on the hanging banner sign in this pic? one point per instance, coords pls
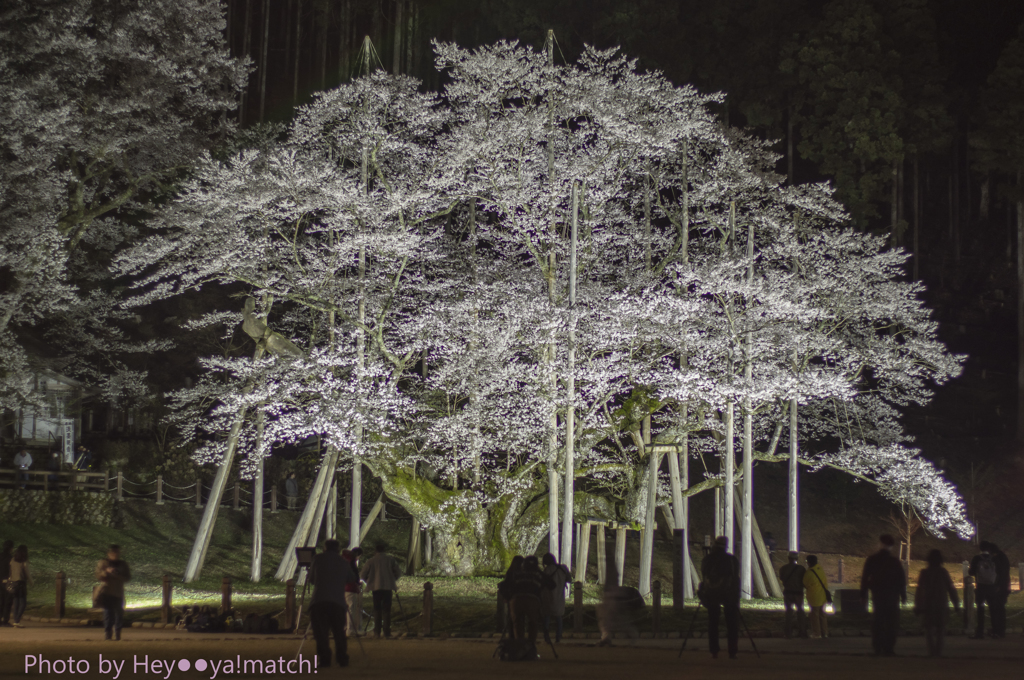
(69, 440)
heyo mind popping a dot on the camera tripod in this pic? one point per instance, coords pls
(693, 622)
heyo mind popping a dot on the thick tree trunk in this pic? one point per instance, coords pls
(263, 59)
(471, 537)
(794, 478)
(746, 528)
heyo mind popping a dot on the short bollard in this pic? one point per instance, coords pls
(577, 607)
(120, 486)
(1020, 576)
(236, 501)
(502, 615)
(839, 580)
(160, 490)
(165, 600)
(62, 589)
(428, 609)
(273, 498)
(199, 493)
(289, 605)
(225, 595)
(656, 607)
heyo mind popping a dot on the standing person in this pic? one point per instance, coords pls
(291, 491)
(988, 590)
(53, 465)
(506, 590)
(381, 573)
(330, 574)
(883, 576)
(354, 592)
(23, 461)
(935, 590)
(526, 591)
(20, 577)
(113, 573)
(792, 576)
(817, 595)
(552, 600)
(998, 607)
(720, 589)
(6, 599)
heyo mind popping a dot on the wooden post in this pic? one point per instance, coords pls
(656, 607)
(235, 503)
(106, 482)
(225, 595)
(160, 492)
(120, 486)
(348, 505)
(165, 602)
(289, 605)
(577, 607)
(968, 598)
(199, 492)
(428, 609)
(620, 551)
(839, 579)
(602, 555)
(584, 552)
(273, 498)
(502, 615)
(1020, 576)
(46, 483)
(61, 588)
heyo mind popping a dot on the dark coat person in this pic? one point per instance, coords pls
(935, 590)
(884, 578)
(720, 591)
(113, 573)
(330, 574)
(792, 576)
(991, 572)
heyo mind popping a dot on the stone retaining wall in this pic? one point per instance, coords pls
(57, 507)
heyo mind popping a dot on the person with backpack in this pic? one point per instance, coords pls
(552, 601)
(792, 576)
(986, 575)
(935, 590)
(817, 596)
(884, 578)
(719, 590)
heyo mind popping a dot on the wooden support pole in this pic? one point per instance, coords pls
(61, 588)
(225, 595)
(412, 556)
(620, 551)
(289, 605)
(160, 490)
(428, 609)
(602, 555)
(165, 601)
(273, 498)
(577, 607)
(656, 607)
(120, 486)
(584, 548)
(368, 523)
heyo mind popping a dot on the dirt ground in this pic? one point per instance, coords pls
(835, 658)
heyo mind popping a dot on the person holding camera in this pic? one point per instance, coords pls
(720, 590)
(330, 574)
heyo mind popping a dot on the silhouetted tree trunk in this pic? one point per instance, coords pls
(246, 44)
(298, 52)
(917, 219)
(1020, 310)
(264, 53)
(396, 57)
